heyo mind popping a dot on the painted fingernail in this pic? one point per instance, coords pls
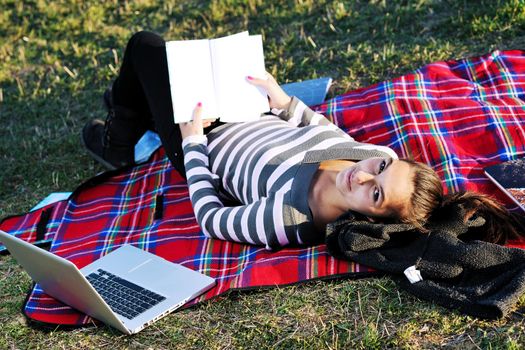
(199, 104)
(249, 77)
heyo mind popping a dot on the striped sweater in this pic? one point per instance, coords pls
(249, 182)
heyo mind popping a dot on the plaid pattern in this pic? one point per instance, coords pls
(109, 211)
(457, 116)
(26, 226)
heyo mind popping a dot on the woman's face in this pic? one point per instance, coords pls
(376, 187)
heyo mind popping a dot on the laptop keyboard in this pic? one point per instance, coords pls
(124, 297)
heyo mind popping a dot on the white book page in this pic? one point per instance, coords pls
(191, 79)
(233, 59)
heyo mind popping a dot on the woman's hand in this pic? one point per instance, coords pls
(278, 98)
(195, 126)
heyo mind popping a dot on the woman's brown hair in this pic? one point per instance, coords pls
(428, 198)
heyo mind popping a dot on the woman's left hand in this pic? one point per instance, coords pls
(278, 98)
(195, 126)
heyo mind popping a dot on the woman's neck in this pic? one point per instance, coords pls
(323, 197)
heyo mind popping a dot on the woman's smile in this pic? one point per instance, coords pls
(344, 179)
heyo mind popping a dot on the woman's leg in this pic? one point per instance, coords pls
(143, 85)
(141, 99)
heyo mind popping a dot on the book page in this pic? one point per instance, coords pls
(191, 78)
(233, 59)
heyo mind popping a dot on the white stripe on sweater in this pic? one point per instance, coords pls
(271, 153)
(297, 116)
(247, 157)
(245, 230)
(283, 167)
(278, 219)
(196, 155)
(241, 135)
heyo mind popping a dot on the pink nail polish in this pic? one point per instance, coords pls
(199, 104)
(249, 77)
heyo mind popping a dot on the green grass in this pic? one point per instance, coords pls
(56, 59)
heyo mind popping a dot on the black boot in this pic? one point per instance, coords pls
(112, 143)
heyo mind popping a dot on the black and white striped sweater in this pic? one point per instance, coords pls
(265, 167)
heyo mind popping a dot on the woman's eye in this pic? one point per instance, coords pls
(382, 166)
(376, 194)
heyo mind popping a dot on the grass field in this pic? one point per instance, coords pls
(56, 59)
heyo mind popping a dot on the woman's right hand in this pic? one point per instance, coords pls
(278, 98)
(195, 126)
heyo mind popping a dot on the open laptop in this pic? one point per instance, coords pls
(128, 288)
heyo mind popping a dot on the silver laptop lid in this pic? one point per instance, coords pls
(175, 282)
(60, 279)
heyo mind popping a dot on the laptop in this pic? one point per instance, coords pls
(509, 176)
(127, 289)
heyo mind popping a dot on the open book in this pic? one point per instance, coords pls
(311, 92)
(213, 71)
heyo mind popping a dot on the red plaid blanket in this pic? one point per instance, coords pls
(457, 116)
(149, 207)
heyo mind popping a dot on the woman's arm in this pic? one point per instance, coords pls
(262, 222)
(299, 114)
(291, 109)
